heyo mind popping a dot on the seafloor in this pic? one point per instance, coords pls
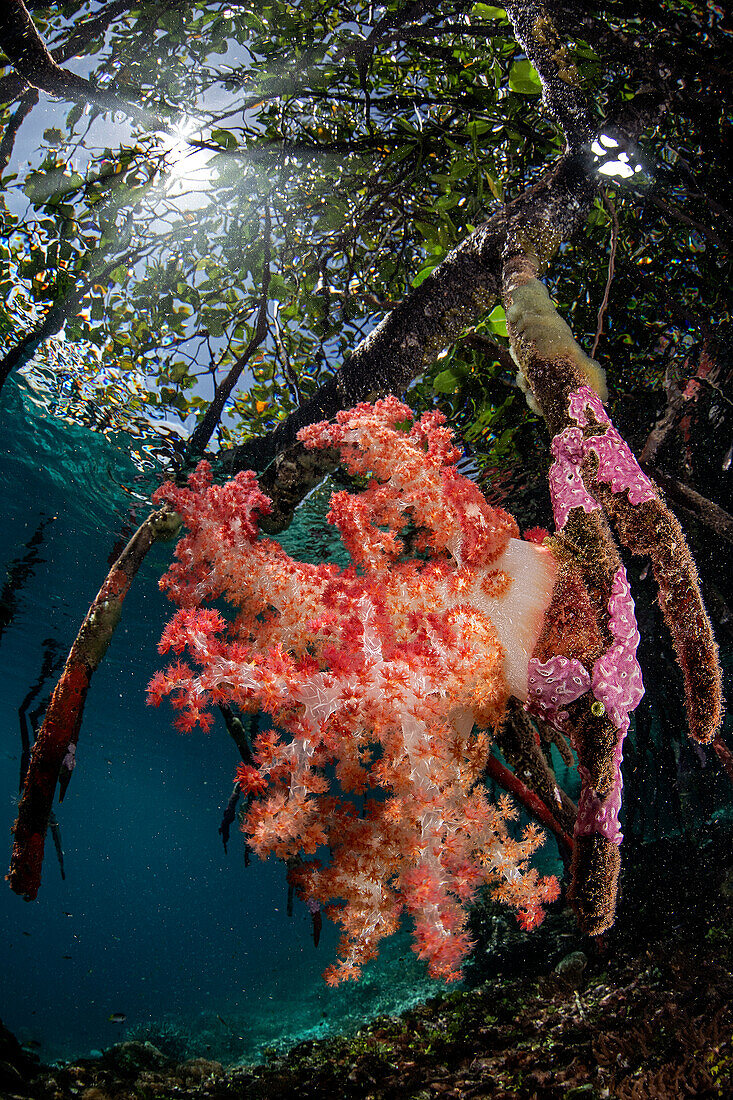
(645, 1013)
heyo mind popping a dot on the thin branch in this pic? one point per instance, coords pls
(529, 800)
(664, 424)
(30, 58)
(205, 429)
(12, 85)
(54, 751)
(694, 503)
(611, 262)
(27, 102)
(678, 216)
(88, 29)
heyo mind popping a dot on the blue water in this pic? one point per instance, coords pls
(153, 920)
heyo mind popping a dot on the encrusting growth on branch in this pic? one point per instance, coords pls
(594, 474)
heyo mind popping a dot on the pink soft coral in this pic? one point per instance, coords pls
(376, 675)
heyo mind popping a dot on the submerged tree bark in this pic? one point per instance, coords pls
(54, 752)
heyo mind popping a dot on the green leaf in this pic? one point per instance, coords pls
(225, 138)
(425, 271)
(497, 321)
(429, 232)
(52, 135)
(488, 11)
(459, 169)
(179, 373)
(448, 381)
(476, 129)
(42, 186)
(74, 114)
(523, 78)
(494, 186)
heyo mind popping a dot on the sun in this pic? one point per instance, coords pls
(185, 162)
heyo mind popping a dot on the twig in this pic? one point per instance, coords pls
(531, 802)
(611, 262)
(203, 432)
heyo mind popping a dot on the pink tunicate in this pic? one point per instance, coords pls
(599, 816)
(616, 683)
(567, 488)
(617, 679)
(618, 467)
(553, 684)
(586, 398)
(616, 463)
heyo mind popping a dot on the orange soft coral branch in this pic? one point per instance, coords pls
(531, 802)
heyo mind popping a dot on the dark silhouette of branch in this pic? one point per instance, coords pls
(30, 58)
(92, 28)
(27, 102)
(18, 573)
(13, 85)
(203, 432)
(694, 503)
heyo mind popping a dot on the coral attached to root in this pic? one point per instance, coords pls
(376, 679)
(385, 680)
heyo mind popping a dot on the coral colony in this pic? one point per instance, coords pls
(383, 676)
(386, 680)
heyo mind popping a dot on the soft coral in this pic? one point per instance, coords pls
(378, 671)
